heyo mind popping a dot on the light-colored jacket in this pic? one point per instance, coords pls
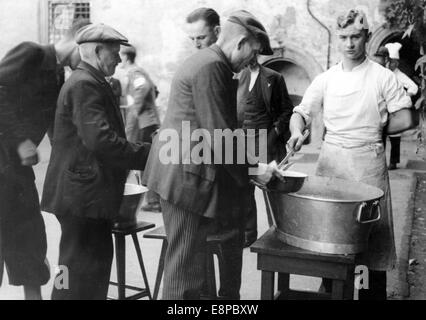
(141, 95)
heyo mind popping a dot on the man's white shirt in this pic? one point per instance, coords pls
(355, 104)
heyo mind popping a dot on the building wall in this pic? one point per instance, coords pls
(18, 22)
(156, 28)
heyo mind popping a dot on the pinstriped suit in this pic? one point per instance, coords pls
(204, 93)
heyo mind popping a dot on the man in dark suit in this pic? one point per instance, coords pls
(31, 76)
(89, 165)
(263, 103)
(193, 194)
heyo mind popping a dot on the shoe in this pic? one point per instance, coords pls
(154, 207)
(392, 166)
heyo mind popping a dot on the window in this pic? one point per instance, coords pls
(62, 14)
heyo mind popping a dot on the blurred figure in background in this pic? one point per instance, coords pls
(142, 119)
(116, 88)
(410, 87)
(381, 56)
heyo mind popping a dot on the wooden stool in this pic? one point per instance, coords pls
(274, 256)
(214, 247)
(120, 234)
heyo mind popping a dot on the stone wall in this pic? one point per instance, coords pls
(156, 28)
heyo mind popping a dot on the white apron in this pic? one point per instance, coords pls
(359, 161)
(368, 165)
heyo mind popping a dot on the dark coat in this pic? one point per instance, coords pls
(278, 106)
(90, 155)
(30, 80)
(203, 93)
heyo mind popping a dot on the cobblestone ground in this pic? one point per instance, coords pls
(399, 287)
(417, 262)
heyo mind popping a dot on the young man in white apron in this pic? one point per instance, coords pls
(358, 97)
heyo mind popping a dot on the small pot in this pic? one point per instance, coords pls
(129, 209)
(293, 182)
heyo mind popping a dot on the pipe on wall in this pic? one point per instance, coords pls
(308, 5)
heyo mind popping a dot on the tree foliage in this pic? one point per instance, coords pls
(407, 15)
(410, 16)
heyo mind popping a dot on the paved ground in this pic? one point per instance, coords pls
(417, 262)
(402, 184)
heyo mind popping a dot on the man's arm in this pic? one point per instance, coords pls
(19, 63)
(96, 133)
(282, 109)
(312, 103)
(212, 94)
(401, 117)
(408, 84)
(401, 121)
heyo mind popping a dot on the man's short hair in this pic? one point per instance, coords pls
(77, 25)
(353, 16)
(210, 16)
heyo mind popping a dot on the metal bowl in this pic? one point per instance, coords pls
(293, 182)
(129, 209)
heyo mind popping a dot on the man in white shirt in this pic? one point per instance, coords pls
(409, 85)
(358, 97)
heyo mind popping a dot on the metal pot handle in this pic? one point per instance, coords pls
(375, 206)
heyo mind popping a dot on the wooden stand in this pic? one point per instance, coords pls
(274, 256)
(120, 254)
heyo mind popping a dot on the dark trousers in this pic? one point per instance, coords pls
(395, 149)
(251, 217)
(86, 250)
(145, 135)
(377, 286)
(22, 229)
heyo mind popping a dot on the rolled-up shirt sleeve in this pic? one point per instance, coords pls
(313, 99)
(394, 93)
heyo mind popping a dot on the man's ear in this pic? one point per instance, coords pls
(216, 31)
(98, 49)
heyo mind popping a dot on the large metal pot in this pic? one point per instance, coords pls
(327, 215)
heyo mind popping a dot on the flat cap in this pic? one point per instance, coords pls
(100, 33)
(248, 21)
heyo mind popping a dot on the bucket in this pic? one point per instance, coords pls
(129, 209)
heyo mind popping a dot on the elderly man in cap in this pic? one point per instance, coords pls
(89, 165)
(31, 76)
(358, 98)
(194, 194)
